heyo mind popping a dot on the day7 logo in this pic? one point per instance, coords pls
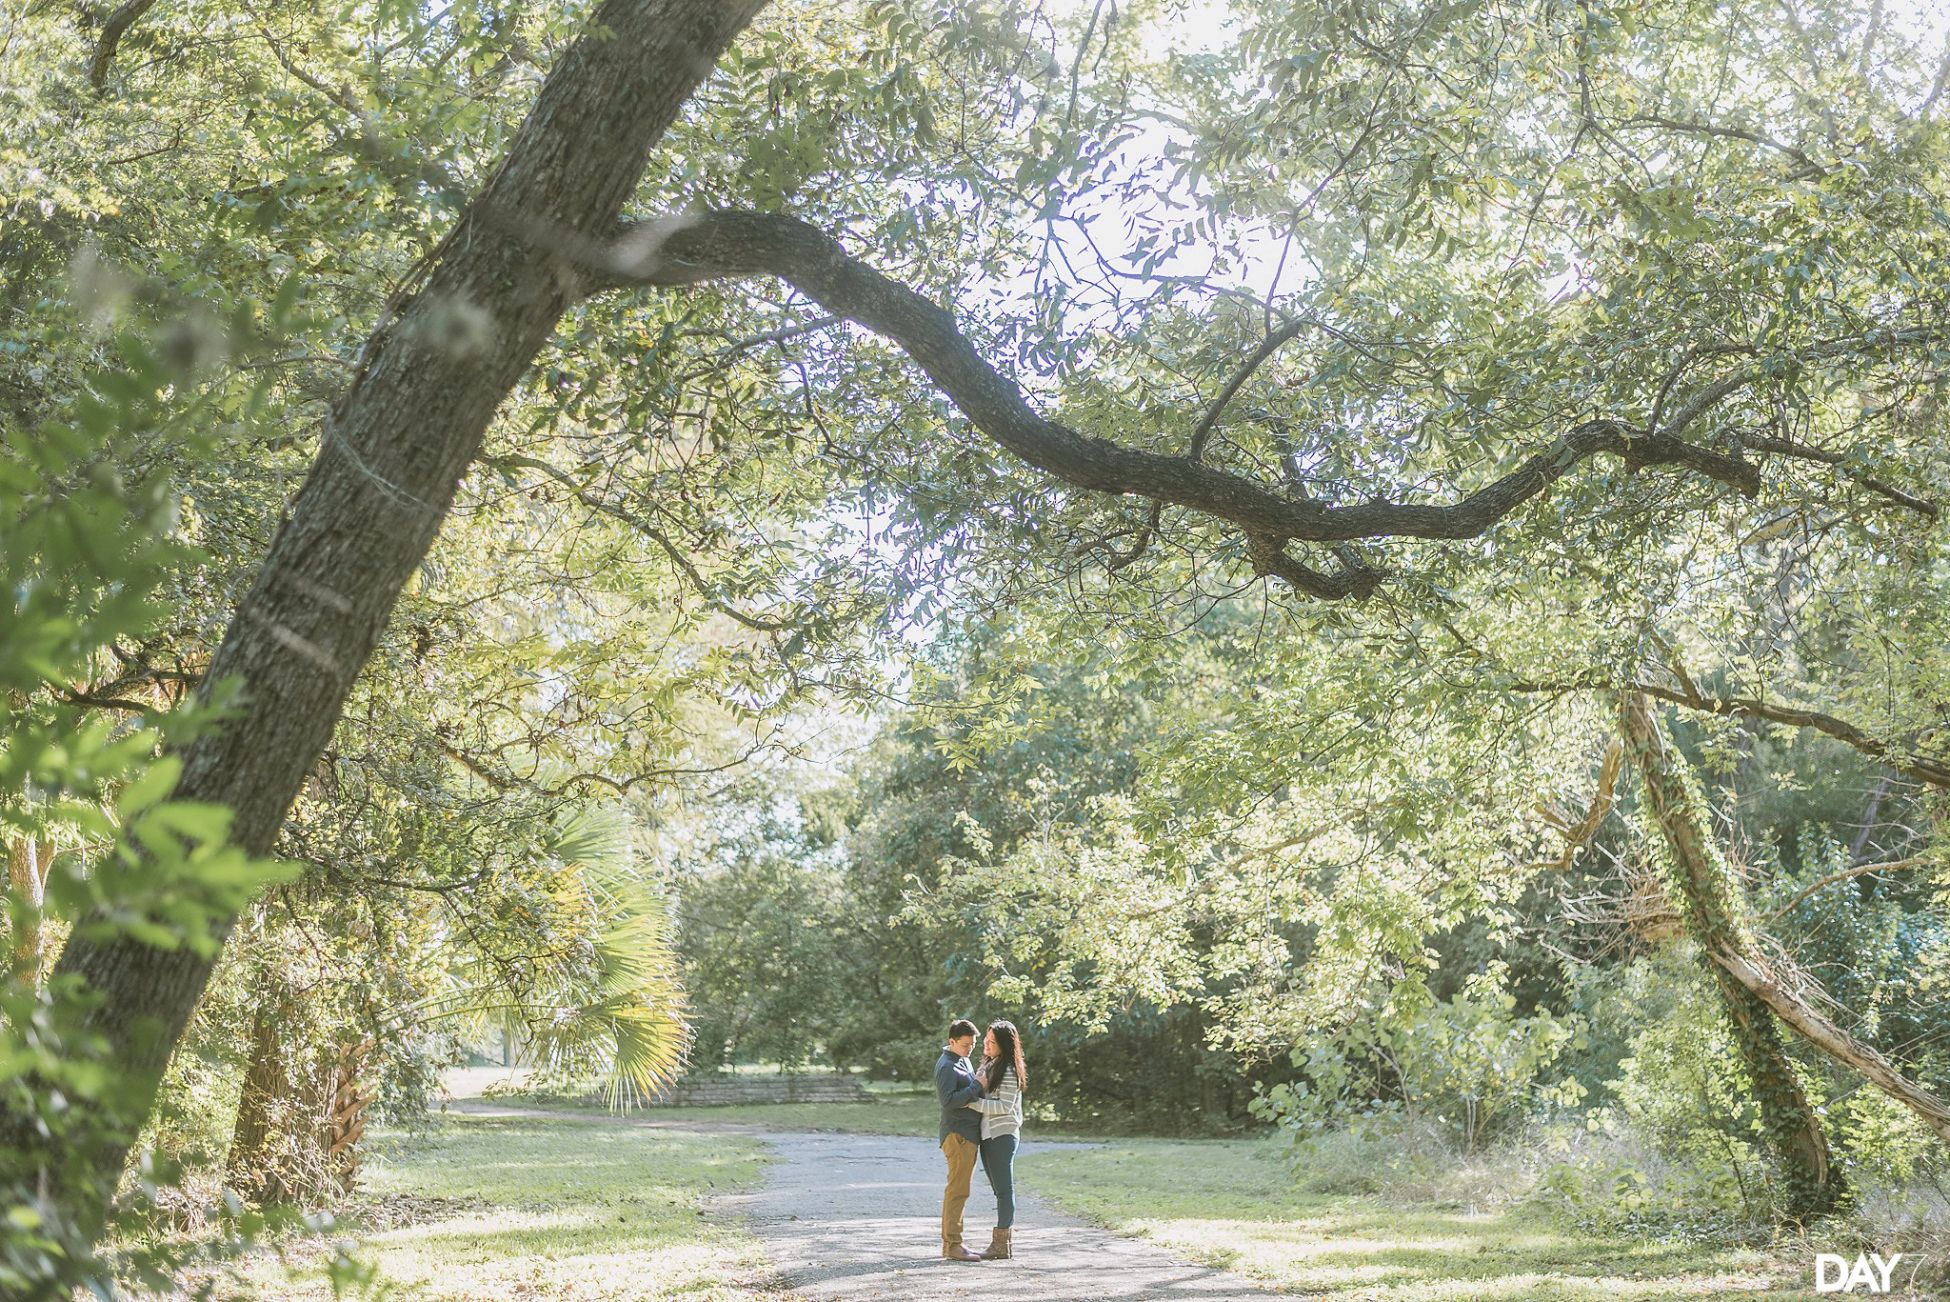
(1834, 1273)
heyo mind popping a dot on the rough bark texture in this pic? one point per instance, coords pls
(301, 1116)
(273, 1160)
(345, 1121)
(1709, 900)
(113, 31)
(393, 450)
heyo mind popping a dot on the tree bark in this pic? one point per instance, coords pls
(27, 866)
(394, 447)
(302, 1112)
(1838, 1044)
(113, 31)
(271, 1157)
(1710, 900)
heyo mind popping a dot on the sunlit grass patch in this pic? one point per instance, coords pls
(1237, 1205)
(558, 1207)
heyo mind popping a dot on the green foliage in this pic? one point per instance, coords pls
(1681, 1082)
(87, 550)
(1137, 798)
(765, 940)
(1470, 1064)
(1885, 1141)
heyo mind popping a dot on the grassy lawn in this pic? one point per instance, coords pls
(890, 1109)
(492, 1208)
(1235, 1205)
(887, 1114)
(575, 1206)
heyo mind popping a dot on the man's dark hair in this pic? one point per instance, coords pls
(959, 1027)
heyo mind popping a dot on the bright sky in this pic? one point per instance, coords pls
(1263, 266)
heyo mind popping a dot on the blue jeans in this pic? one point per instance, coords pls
(999, 1164)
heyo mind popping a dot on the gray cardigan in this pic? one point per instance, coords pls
(1002, 1112)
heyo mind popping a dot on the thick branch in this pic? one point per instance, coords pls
(113, 30)
(736, 244)
(1925, 769)
(1932, 772)
(1838, 1044)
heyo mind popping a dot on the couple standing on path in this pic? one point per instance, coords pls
(981, 1112)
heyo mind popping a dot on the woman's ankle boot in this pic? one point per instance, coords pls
(1000, 1248)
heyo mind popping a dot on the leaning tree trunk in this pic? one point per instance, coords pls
(1801, 1016)
(1710, 900)
(391, 455)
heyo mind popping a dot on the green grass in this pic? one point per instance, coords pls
(501, 1208)
(1236, 1205)
(887, 1111)
(896, 1114)
(584, 1207)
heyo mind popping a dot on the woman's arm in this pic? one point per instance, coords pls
(1004, 1100)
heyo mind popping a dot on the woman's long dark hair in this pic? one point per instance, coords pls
(1008, 1053)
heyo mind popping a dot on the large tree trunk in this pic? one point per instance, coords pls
(1710, 900)
(1804, 1018)
(392, 453)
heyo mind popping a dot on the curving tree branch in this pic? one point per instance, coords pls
(1923, 768)
(730, 245)
(113, 31)
(1926, 769)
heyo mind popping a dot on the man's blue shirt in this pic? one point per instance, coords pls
(955, 1085)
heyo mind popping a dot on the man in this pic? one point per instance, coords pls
(961, 1132)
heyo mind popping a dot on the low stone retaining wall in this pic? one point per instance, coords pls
(718, 1091)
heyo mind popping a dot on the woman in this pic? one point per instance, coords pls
(1003, 1077)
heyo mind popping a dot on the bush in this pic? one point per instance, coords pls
(1471, 1066)
(1883, 1142)
(1681, 1084)
(1612, 1177)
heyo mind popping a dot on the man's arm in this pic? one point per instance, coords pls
(950, 1090)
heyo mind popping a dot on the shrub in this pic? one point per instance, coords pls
(1471, 1065)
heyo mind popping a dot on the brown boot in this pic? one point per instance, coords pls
(955, 1252)
(1000, 1248)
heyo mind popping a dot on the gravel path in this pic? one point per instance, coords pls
(859, 1216)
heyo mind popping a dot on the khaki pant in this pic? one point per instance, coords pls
(961, 1168)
